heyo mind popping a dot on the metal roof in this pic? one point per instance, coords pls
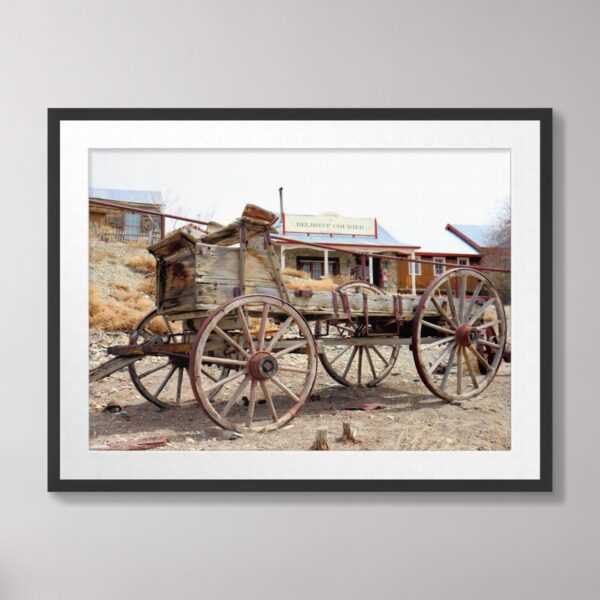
(383, 238)
(479, 236)
(444, 242)
(133, 196)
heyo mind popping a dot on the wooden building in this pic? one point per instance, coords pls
(120, 224)
(341, 233)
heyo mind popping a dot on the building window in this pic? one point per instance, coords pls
(438, 269)
(316, 268)
(414, 268)
(463, 262)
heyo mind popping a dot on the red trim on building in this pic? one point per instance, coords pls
(463, 237)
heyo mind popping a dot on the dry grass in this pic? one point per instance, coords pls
(144, 264)
(296, 273)
(148, 286)
(124, 315)
(102, 255)
(326, 284)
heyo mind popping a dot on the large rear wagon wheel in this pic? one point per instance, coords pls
(447, 346)
(273, 373)
(164, 380)
(354, 365)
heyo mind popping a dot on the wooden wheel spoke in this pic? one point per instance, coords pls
(441, 357)
(481, 310)
(360, 362)
(442, 312)
(208, 374)
(289, 349)
(276, 381)
(164, 382)
(269, 400)
(236, 396)
(450, 297)
(370, 361)
(221, 382)
(230, 341)
(281, 367)
(339, 355)
(472, 301)
(461, 298)
(349, 362)
(223, 361)
(438, 342)
(263, 327)
(488, 324)
(245, 329)
(381, 356)
(480, 358)
(488, 343)
(179, 382)
(251, 403)
(283, 327)
(448, 368)
(459, 364)
(471, 372)
(159, 368)
(438, 327)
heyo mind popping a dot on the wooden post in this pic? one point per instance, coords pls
(349, 433)
(242, 272)
(326, 263)
(320, 442)
(282, 258)
(413, 277)
(370, 269)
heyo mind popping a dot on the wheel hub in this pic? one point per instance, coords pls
(262, 365)
(466, 335)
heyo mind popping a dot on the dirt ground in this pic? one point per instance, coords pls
(412, 418)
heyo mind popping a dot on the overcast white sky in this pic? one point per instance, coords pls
(413, 194)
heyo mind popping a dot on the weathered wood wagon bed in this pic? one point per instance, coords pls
(227, 332)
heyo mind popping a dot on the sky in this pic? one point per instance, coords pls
(412, 193)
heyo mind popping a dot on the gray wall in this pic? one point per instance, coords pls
(388, 54)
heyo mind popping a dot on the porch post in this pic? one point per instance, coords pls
(370, 269)
(413, 278)
(282, 257)
(326, 265)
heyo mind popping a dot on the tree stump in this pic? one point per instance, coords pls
(320, 442)
(349, 434)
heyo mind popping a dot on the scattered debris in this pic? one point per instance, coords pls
(143, 444)
(349, 434)
(216, 433)
(113, 408)
(320, 442)
(368, 406)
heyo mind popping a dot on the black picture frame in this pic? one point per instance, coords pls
(58, 115)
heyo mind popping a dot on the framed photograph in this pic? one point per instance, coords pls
(300, 299)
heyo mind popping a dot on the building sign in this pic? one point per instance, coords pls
(329, 223)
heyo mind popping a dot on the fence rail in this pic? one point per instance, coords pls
(121, 237)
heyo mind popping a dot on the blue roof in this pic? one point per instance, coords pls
(383, 238)
(134, 196)
(479, 235)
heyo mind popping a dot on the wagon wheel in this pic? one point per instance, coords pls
(275, 368)
(449, 364)
(164, 380)
(373, 363)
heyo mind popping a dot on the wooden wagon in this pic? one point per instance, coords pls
(228, 334)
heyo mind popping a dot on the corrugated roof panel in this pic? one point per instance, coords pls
(479, 234)
(134, 196)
